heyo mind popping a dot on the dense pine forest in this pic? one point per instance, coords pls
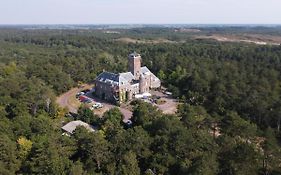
(233, 89)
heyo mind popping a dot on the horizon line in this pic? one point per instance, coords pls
(145, 24)
(141, 25)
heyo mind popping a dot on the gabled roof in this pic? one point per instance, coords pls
(146, 71)
(71, 126)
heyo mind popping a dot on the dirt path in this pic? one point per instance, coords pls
(64, 100)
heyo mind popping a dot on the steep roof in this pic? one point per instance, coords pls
(71, 126)
(127, 76)
(146, 71)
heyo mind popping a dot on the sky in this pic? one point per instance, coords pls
(140, 11)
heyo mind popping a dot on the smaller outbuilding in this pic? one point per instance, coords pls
(70, 127)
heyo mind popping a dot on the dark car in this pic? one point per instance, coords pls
(128, 124)
(88, 101)
(86, 91)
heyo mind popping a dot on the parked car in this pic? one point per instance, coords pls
(88, 100)
(145, 97)
(168, 93)
(79, 94)
(96, 106)
(128, 124)
(86, 91)
(82, 98)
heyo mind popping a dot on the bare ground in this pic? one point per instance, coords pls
(170, 105)
(247, 38)
(144, 41)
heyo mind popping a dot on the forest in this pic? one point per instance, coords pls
(233, 89)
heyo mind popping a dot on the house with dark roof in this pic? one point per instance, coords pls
(123, 87)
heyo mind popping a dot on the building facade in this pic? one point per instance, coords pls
(123, 86)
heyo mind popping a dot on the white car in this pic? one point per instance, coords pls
(96, 106)
(168, 93)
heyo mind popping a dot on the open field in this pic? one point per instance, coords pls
(246, 38)
(258, 39)
(144, 41)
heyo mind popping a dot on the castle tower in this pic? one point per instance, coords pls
(142, 84)
(134, 60)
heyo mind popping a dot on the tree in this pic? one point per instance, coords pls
(206, 163)
(144, 114)
(77, 169)
(111, 123)
(93, 150)
(25, 146)
(161, 75)
(60, 112)
(86, 115)
(234, 125)
(46, 157)
(41, 125)
(271, 153)
(139, 140)
(8, 155)
(129, 165)
(240, 158)
(22, 126)
(193, 116)
(114, 116)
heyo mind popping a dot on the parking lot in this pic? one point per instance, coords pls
(71, 101)
(107, 106)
